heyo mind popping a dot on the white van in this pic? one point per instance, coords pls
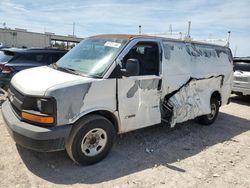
(112, 84)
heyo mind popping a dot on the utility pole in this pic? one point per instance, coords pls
(170, 29)
(44, 28)
(188, 36)
(228, 38)
(189, 28)
(74, 28)
(139, 29)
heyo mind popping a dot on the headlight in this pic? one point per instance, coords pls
(39, 104)
(39, 110)
(46, 105)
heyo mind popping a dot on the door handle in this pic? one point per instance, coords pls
(159, 85)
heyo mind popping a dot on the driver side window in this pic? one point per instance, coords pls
(147, 54)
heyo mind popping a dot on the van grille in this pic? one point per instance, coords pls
(16, 99)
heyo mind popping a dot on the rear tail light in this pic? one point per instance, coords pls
(1, 67)
(6, 69)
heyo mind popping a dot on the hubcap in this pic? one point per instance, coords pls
(213, 112)
(94, 142)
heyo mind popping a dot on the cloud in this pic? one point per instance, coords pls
(112, 16)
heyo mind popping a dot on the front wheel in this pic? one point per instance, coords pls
(90, 139)
(210, 118)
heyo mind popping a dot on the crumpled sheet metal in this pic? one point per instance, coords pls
(183, 61)
(193, 99)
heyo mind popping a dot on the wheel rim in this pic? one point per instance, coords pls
(213, 112)
(94, 142)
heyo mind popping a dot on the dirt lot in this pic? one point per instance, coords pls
(188, 156)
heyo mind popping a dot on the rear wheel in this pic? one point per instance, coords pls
(210, 118)
(90, 139)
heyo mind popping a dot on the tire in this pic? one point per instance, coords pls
(210, 118)
(90, 139)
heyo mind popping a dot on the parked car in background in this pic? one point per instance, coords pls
(241, 83)
(13, 60)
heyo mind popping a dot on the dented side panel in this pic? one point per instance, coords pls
(75, 100)
(184, 61)
(139, 102)
(191, 73)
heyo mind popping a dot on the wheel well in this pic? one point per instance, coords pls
(109, 115)
(217, 96)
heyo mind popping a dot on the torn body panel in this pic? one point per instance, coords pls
(188, 98)
(191, 100)
(184, 61)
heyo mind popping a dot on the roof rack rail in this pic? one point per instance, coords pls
(221, 42)
(186, 36)
(173, 35)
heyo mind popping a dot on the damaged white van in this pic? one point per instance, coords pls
(112, 84)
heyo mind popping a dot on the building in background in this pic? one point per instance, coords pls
(23, 38)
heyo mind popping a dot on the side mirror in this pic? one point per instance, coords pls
(132, 67)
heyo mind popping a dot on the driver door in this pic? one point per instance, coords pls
(139, 95)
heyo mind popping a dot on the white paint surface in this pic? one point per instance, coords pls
(143, 108)
(241, 82)
(36, 81)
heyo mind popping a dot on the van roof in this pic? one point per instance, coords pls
(128, 36)
(133, 36)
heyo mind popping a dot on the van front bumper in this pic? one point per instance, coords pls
(43, 139)
(242, 90)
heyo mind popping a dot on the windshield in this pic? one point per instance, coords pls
(242, 66)
(93, 56)
(4, 57)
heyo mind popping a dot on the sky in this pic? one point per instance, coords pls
(210, 18)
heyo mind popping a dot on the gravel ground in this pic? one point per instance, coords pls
(189, 155)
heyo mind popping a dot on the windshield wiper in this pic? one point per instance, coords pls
(94, 76)
(69, 70)
(73, 71)
(54, 66)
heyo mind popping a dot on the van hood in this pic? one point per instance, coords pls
(36, 81)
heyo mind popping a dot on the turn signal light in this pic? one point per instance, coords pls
(37, 118)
